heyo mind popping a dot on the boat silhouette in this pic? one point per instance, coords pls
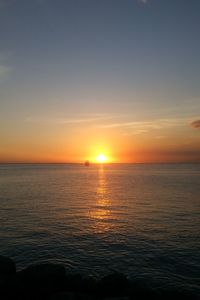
(87, 163)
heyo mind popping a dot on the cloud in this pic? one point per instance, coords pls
(145, 126)
(157, 125)
(196, 124)
(66, 120)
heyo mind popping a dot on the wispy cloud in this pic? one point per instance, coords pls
(140, 127)
(196, 124)
(155, 124)
(68, 120)
(106, 121)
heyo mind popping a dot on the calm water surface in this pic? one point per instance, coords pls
(143, 220)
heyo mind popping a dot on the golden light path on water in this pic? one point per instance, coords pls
(102, 212)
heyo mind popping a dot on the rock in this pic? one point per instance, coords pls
(62, 296)
(43, 280)
(74, 282)
(177, 294)
(7, 267)
(139, 290)
(12, 289)
(78, 283)
(145, 294)
(10, 285)
(117, 298)
(89, 284)
(115, 284)
(71, 296)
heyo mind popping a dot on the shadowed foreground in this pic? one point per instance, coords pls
(52, 282)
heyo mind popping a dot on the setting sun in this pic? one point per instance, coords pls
(101, 158)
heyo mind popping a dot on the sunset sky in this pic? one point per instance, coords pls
(84, 77)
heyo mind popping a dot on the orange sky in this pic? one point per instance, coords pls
(120, 142)
(112, 77)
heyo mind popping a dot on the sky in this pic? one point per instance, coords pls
(83, 77)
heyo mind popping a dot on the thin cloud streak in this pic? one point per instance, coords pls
(75, 120)
(148, 124)
(144, 126)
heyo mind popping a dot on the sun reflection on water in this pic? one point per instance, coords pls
(101, 212)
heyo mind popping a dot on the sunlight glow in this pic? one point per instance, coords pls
(101, 158)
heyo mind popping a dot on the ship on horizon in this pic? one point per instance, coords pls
(87, 163)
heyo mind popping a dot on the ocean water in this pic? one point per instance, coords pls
(142, 220)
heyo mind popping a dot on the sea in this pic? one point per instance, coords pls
(139, 219)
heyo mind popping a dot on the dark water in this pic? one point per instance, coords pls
(143, 220)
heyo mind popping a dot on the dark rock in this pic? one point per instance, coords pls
(89, 284)
(177, 294)
(43, 280)
(7, 267)
(80, 284)
(50, 282)
(117, 298)
(8, 280)
(115, 284)
(62, 296)
(74, 282)
(71, 296)
(141, 291)
(12, 288)
(144, 294)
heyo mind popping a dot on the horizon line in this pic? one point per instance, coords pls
(96, 163)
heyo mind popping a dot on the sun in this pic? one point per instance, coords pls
(101, 158)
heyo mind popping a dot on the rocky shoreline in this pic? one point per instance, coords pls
(52, 282)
